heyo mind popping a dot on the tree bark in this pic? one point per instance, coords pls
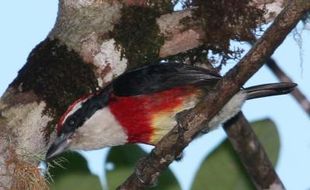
(79, 56)
(174, 142)
(252, 153)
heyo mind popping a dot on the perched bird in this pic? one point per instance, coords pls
(141, 105)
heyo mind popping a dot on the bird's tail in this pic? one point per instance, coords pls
(271, 89)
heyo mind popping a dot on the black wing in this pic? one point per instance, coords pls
(159, 77)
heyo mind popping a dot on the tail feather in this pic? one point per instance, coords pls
(271, 89)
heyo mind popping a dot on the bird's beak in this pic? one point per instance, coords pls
(60, 145)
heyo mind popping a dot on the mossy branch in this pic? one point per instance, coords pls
(165, 152)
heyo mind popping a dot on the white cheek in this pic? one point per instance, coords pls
(101, 130)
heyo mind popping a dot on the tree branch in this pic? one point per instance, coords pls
(149, 168)
(282, 76)
(180, 38)
(90, 37)
(84, 27)
(252, 153)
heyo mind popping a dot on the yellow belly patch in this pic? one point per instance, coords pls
(164, 121)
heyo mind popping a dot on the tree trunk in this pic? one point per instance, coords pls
(80, 55)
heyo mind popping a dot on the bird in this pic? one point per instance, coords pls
(141, 106)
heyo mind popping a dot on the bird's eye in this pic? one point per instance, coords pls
(71, 122)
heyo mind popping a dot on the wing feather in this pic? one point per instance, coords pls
(159, 77)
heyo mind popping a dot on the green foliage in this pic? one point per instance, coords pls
(73, 175)
(77, 182)
(222, 169)
(124, 158)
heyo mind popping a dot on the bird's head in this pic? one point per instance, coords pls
(67, 127)
(80, 127)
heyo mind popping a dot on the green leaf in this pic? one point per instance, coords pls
(222, 169)
(72, 173)
(267, 133)
(121, 163)
(77, 181)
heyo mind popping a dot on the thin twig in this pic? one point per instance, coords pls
(282, 76)
(252, 153)
(149, 168)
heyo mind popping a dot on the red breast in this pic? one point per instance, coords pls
(146, 118)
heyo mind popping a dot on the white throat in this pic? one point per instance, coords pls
(101, 130)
